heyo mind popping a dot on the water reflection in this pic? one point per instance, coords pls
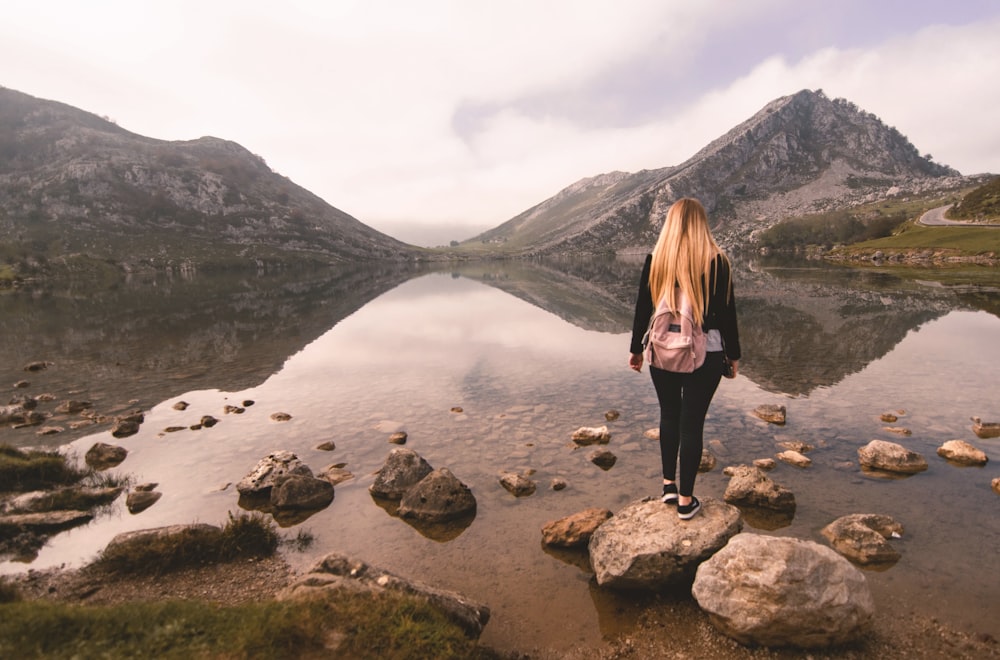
(529, 352)
(146, 340)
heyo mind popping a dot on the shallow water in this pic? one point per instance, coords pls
(529, 354)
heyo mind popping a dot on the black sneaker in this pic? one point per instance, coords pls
(669, 494)
(687, 511)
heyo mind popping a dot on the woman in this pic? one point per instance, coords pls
(687, 257)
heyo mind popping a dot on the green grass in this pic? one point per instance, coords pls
(246, 535)
(965, 241)
(386, 626)
(22, 470)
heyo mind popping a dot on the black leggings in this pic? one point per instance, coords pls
(684, 400)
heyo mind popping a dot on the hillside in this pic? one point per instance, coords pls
(980, 205)
(799, 154)
(74, 184)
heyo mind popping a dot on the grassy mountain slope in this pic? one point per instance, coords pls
(74, 184)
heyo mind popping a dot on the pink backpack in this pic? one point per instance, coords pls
(674, 341)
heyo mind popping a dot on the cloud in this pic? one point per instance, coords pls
(458, 112)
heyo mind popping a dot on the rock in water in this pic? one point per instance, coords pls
(439, 497)
(645, 546)
(779, 591)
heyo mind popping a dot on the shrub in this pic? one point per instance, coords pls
(22, 471)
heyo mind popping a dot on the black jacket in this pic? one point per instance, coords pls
(721, 308)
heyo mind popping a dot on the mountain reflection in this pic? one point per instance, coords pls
(142, 341)
(803, 325)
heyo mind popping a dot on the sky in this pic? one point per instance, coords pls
(433, 120)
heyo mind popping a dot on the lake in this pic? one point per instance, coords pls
(489, 368)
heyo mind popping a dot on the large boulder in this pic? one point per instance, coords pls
(336, 572)
(779, 591)
(402, 470)
(270, 471)
(575, 530)
(750, 487)
(891, 457)
(438, 497)
(862, 537)
(646, 546)
(138, 542)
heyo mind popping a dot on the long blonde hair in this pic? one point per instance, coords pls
(684, 253)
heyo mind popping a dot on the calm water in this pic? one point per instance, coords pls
(529, 352)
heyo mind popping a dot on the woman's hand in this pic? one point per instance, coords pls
(635, 361)
(736, 368)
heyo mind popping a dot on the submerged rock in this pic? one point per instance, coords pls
(771, 413)
(575, 530)
(795, 458)
(602, 458)
(591, 435)
(985, 429)
(862, 537)
(517, 485)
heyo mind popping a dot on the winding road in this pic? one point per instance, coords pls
(935, 218)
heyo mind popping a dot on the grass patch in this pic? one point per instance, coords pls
(246, 535)
(364, 626)
(25, 470)
(8, 592)
(968, 241)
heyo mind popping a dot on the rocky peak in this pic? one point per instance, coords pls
(799, 154)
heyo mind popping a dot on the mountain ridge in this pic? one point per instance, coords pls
(74, 183)
(799, 154)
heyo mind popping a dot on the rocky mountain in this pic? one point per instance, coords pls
(72, 183)
(799, 154)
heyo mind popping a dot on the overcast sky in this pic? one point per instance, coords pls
(435, 119)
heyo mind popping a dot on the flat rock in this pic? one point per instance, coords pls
(771, 413)
(338, 572)
(575, 530)
(517, 485)
(795, 458)
(863, 537)
(646, 546)
(891, 457)
(592, 435)
(963, 453)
